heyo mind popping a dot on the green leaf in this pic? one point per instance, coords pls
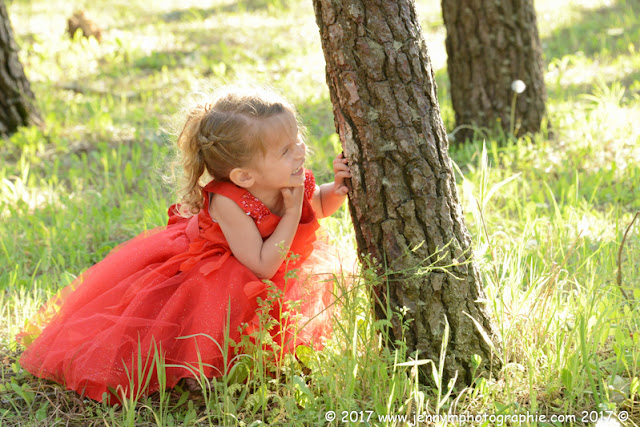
(183, 398)
(262, 395)
(496, 187)
(237, 374)
(305, 354)
(302, 386)
(635, 386)
(450, 385)
(567, 378)
(41, 413)
(414, 362)
(190, 416)
(23, 393)
(128, 173)
(501, 408)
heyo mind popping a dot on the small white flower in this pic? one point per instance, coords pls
(518, 86)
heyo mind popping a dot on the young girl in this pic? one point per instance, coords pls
(177, 290)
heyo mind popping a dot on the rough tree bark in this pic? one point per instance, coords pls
(490, 44)
(16, 99)
(403, 194)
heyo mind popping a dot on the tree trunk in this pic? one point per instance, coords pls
(491, 44)
(403, 198)
(16, 99)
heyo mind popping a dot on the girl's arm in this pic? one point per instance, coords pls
(329, 197)
(263, 258)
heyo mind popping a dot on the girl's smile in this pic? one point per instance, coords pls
(282, 165)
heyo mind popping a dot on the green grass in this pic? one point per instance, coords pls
(547, 213)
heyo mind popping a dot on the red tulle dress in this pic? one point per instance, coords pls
(175, 288)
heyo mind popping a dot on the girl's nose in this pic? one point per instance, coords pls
(302, 149)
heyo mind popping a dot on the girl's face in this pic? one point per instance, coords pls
(282, 164)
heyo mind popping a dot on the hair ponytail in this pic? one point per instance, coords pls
(193, 164)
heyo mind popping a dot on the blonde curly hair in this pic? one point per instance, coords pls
(222, 134)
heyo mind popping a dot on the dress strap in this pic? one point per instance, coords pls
(225, 188)
(250, 204)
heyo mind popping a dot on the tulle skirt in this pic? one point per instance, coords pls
(165, 297)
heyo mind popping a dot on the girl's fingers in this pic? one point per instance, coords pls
(341, 172)
(340, 159)
(340, 168)
(292, 196)
(286, 195)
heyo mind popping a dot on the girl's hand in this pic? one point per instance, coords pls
(262, 256)
(329, 197)
(292, 198)
(341, 172)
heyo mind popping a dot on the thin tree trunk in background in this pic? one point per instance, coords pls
(403, 193)
(490, 44)
(16, 99)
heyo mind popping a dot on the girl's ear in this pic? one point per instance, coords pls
(242, 177)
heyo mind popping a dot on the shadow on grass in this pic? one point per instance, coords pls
(578, 53)
(567, 92)
(204, 49)
(606, 31)
(197, 13)
(135, 14)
